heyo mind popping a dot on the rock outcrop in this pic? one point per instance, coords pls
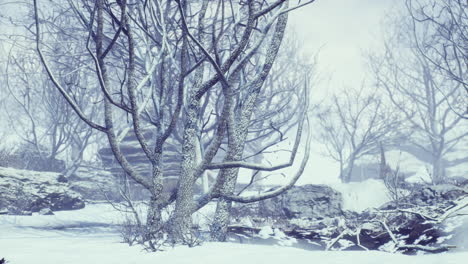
(24, 192)
(95, 184)
(430, 219)
(308, 201)
(431, 195)
(26, 159)
(131, 149)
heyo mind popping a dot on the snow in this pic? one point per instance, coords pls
(103, 250)
(266, 232)
(89, 236)
(359, 196)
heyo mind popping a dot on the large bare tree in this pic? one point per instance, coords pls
(166, 66)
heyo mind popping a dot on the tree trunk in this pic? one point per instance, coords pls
(154, 216)
(235, 149)
(438, 170)
(221, 219)
(350, 168)
(183, 211)
(238, 124)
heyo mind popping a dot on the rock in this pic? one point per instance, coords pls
(308, 201)
(430, 195)
(28, 158)
(95, 184)
(458, 181)
(371, 226)
(130, 147)
(305, 207)
(313, 213)
(46, 211)
(30, 191)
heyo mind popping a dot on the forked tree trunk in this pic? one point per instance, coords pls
(223, 207)
(238, 133)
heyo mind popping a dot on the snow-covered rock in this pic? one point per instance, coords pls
(431, 195)
(307, 201)
(23, 191)
(24, 157)
(46, 211)
(130, 147)
(94, 184)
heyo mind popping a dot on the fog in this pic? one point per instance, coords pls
(331, 125)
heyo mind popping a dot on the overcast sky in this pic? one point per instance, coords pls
(342, 30)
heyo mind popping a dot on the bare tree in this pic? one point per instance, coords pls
(159, 64)
(36, 111)
(444, 46)
(422, 94)
(353, 125)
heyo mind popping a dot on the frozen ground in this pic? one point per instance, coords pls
(90, 236)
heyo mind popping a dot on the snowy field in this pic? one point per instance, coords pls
(90, 236)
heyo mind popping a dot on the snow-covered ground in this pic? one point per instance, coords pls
(90, 236)
(106, 250)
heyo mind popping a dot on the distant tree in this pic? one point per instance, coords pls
(439, 31)
(36, 112)
(423, 95)
(353, 125)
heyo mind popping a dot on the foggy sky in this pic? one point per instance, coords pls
(342, 30)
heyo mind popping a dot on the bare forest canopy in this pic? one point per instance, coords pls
(181, 99)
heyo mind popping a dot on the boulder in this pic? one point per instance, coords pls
(313, 213)
(430, 195)
(131, 149)
(27, 158)
(30, 191)
(95, 184)
(300, 202)
(307, 201)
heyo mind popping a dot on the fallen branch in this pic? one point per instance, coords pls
(449, 212)
(459, 204)
(440, 249)
(401, 246)
(336, 239)
(358, 239)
